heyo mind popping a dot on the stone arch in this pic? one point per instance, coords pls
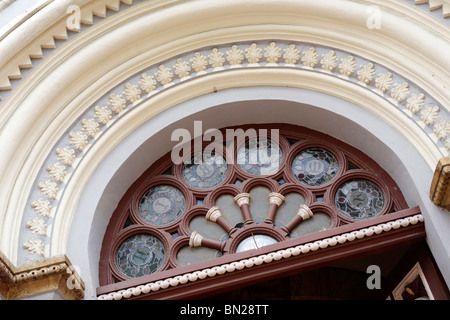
(50, 102)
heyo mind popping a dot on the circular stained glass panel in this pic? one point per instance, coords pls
(359, 199)
(260, 156)
(205, 170)
(140, 255)
(315, 166)
(162, 204)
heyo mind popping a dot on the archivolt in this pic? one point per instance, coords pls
(93, 91)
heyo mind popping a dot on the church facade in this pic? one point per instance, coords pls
(128, 128)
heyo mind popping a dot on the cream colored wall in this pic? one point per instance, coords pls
(40, 111)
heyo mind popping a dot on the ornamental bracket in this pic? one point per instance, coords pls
(56, 273)
(440, 187)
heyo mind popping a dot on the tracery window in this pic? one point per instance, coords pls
(181, 214)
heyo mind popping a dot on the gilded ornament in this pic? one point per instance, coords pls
(272, 53)
(147, 83)
(78, 140)
(66, 155)
(329, 61)
(103, 114)
(310, 58)
(384, 81)
(347, 66)
(291, 54)
(57, 172)
(132, 92)
(253, 54)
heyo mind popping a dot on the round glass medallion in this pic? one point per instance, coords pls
(315, 166)
(205, 170)
(260, 156)
(255, 242)
(359, 199)
(162, 204)
(140, 255)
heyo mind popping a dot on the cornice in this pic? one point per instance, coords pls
(56, 273)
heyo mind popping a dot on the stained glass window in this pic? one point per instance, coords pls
(175, 205)
(260, 156)
(162, 204)
(205, 170)
(359, 199)
(188, 255)
(315, 166)
(140, 255)
(318, 222)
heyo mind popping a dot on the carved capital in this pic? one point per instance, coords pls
(242, 198)
(195, 240)
(304, 212)
(440, 191)
(276, 198)
(213, 214)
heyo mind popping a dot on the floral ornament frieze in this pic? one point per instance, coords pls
(418, 107)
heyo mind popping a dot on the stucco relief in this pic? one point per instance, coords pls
(421, 109)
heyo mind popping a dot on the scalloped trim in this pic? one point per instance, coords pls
(258, 260)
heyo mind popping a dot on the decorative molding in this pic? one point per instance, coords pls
(414, 273)
(435, 5)
(57, 32)
(257, 260)
(99, 9)
(155, 79)
(56, 273)
(440, 191)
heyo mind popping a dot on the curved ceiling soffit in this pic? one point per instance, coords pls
(419, 108)
(405, 107)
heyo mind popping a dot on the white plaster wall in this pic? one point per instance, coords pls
(242, 106)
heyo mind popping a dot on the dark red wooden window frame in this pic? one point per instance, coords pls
(110, 277)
